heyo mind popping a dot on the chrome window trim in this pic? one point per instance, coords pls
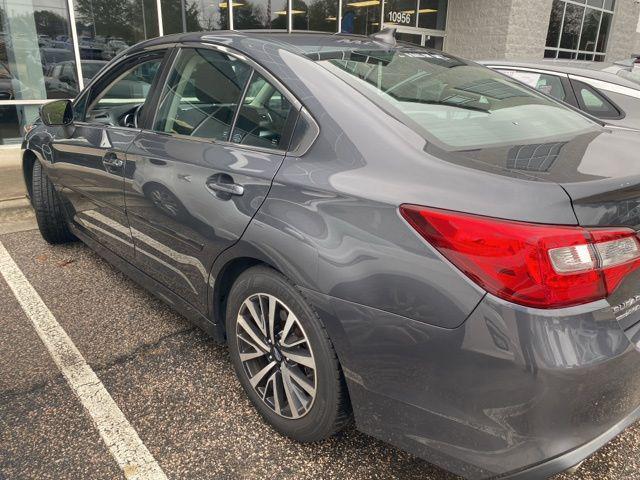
(607, 86)
(527, 69)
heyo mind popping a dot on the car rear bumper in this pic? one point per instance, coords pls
(514, 392)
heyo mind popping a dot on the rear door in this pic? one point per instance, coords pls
(203, 165)
(89, 156)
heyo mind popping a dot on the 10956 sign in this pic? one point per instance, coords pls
(403, 18)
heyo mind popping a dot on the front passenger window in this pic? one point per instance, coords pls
(121, 101)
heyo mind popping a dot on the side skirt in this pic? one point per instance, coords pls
(152, 286)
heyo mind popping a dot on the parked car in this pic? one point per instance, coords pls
(608, 91)
(375, 229)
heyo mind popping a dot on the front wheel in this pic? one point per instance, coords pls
(48, 208)
(284, 358)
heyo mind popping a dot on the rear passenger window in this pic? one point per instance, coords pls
(201, 95)
(548, 84)
(593, 102)
(263, 117)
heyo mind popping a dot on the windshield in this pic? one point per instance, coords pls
(456, 104)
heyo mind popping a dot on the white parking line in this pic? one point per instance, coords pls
(121, 439)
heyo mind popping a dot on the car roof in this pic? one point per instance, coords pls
(246, 41)
(605, 72)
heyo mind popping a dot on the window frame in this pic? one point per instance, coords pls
(296, 105)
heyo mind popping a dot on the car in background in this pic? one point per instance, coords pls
(607, 91)
(61, 78)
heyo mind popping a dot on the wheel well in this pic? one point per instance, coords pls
(226, 278)
(28, 160)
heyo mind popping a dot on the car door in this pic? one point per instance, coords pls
(88, 156)
(203, 166)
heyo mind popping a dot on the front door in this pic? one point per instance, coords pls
(203, 168)
(89, 161)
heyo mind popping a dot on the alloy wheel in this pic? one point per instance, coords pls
(276, 355)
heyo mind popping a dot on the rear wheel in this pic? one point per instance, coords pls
(284, 358)
(48, 207)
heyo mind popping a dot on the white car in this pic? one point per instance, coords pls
(608, 91)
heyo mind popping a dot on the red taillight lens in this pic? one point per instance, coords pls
(542, 266)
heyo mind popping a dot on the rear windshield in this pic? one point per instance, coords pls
(455, 104)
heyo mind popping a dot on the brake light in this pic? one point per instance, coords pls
(542, 266)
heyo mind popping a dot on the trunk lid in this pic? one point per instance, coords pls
(599, 170)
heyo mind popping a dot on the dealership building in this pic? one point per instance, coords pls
(51, 48)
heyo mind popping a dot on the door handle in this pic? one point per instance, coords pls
(111, 160)
(223, 183)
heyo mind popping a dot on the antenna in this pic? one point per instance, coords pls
(386, 35)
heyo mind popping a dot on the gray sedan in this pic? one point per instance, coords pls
(377, 231)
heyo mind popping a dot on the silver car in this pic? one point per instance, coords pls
(608, 91)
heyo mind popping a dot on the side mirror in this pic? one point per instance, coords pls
(58, 112)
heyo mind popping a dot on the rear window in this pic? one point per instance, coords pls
(455, 104)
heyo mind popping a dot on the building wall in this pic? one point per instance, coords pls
(497, 29)
(517, 29)
(624, 38)
(477, 29)
(528, 26)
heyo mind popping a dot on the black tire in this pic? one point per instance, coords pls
(49, 210)
(330, 411)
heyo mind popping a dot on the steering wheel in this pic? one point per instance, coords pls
(130, 119)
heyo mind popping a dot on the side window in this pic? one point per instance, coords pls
(123, 95)
(548, 84)
(201, 95)
(592, 101)
(263, 116)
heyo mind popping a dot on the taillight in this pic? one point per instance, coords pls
(542, 266)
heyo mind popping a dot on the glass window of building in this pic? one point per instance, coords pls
(257, 14)
(317, 15)
(360, 16)
(194, 16)
(36, 60)
(579, 29)
(432, 14)
(107, 27)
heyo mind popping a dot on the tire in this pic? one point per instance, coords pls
(49, 210)
(329, 410)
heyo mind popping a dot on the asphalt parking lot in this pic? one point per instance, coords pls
(172, 383)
